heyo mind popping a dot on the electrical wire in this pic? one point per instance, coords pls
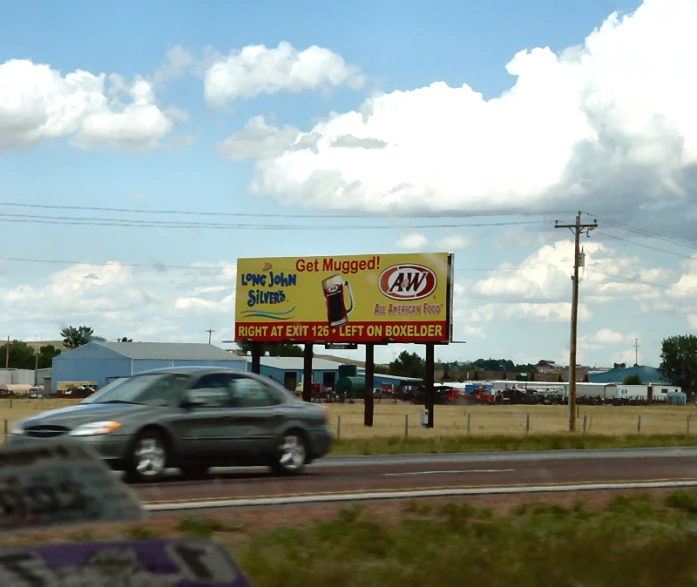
(130, 223)
(649, 283)
(335, 215)
(164, 266)
(646, 233)
(618, 238)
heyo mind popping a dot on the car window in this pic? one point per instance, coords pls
(213, 390)
(249, 393)
(154, 389)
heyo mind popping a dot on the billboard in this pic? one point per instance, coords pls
(361, 299)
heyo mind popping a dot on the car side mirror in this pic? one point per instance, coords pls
(191, 401)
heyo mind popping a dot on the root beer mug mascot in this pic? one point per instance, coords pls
(335, 302)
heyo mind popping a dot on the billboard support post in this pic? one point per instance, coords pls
(428, 382)
(307, 373)
(256, 357)
(369, 384)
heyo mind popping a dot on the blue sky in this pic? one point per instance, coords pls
(572, 129)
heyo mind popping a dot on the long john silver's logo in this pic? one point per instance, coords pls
(407, 282)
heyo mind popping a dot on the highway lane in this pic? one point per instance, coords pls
(353, 475)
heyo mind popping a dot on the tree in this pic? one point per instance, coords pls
(503, 365)
(75, 337)
(632, 380)
(21, 355)
(275, 349)
(619, 366)
(46, 355)
(125, 339)
(408, 365)
(679, 361)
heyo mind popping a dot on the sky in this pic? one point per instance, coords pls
(145, 147)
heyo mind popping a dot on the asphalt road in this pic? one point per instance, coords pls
(389, 474)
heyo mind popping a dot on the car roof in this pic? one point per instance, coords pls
(192, 370)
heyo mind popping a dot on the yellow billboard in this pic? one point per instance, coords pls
(369, 298)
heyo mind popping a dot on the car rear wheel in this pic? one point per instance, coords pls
(291, 454)
(148, 458)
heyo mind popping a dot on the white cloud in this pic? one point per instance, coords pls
(454, 242)
(604, 338)
(257, 69)
(542, 311)
(258, 139)
(117, 300)
(38, 103)
(614, 116)
(412, 241)
(178, 62)
(546, 276)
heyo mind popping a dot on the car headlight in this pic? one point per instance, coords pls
(94, 428)
(16, 429)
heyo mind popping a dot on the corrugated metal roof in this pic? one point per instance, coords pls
(296, 363)
(646, 374)
(170, 351)
(361, 373)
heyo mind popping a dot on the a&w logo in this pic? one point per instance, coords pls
(407, 282)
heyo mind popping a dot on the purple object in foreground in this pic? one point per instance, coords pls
(142, 563)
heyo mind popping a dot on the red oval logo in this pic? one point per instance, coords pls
(407, 282)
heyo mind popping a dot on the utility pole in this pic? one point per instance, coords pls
(577, 229)
(636, 352)
(210, 332)
(7, 354)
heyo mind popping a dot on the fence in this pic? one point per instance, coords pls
(405, 420)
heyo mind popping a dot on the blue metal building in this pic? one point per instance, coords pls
(97, 361)
(397, 380)
(288, 371)
(646, 374)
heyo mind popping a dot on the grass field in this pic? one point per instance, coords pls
(396, 428)
(631, 541)
(637, 540)
(390, 420)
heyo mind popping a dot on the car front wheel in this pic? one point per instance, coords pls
(291, 455)
(148, 458)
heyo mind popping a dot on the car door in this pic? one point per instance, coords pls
(257, 416)
(205, 431)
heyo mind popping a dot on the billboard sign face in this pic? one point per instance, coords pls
(361, 299)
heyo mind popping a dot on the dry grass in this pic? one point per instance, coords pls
(389, 419)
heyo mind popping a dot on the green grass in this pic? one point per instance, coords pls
(460, 444)
(631, 542)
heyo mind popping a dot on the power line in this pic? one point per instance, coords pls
(129, 223)
(646, 233)
(164, 266)
(649, 283)
(618, 238)
(337, 214)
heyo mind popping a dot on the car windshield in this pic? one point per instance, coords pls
(153, 389)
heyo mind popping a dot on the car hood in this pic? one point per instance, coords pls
(72, 416)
